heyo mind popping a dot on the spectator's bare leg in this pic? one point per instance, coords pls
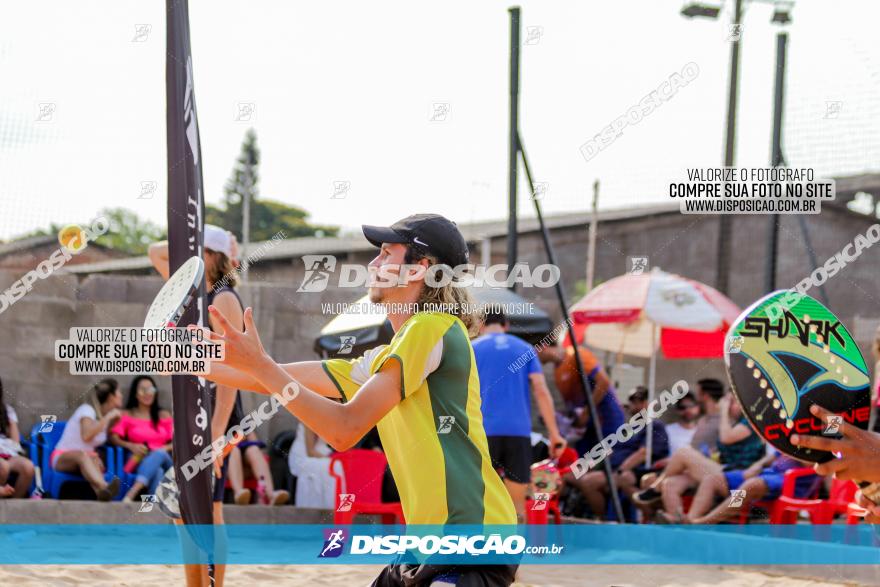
(672, 489)
(755, 489)
(593, 486)
(136, 488)
(77, 461)
(25, 469)
(710, 487)
(695, 464)
(235, 471)
(260, 468)
(626, 482)
(4, 471)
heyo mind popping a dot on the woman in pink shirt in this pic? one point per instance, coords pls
(146, 430)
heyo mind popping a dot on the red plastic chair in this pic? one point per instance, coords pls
(745, 512)
(542, 516)
(854, 513)
(777, 507)
(359, 473)
(821, 511)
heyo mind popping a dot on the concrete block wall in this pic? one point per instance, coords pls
(35, 384)
(687, 245)
(289, 320)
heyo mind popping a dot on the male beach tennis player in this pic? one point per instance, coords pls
(423, 382)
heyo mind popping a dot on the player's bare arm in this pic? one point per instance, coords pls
(730, 432)
(545, 406)
(341, 425)
(158, 254)
(225, 401)
(599, 391)
(308, 374)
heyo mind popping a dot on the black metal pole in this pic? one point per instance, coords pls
(814, 262)
(724, 220)
(512, 147)
(560, 294)
(776, 155)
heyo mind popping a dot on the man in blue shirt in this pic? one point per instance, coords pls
(509, 368)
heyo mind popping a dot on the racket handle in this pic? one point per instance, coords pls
(871, 491)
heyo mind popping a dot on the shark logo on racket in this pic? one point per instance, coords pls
(786, 361)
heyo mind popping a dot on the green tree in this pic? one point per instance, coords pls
(267, 217)
(128, 232)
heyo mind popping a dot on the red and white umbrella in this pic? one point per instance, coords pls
(636, 314)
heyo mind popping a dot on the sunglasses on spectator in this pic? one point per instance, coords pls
(150, 390)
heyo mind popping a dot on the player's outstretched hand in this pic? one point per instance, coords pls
(242, 350)
(859, 450)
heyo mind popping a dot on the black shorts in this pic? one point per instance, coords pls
(220, 484)
(513, 455)
(461, 575)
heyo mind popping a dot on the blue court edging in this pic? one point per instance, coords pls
(584, 544)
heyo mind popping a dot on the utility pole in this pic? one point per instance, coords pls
(591, 246)
(513, 146)
(776, 156)
(724, 220)
(246, 218)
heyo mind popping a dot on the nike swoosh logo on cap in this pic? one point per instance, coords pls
(418, 242)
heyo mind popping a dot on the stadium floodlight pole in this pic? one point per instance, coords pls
(776, 156)
(560, 294)
(512, 170)
(698, 9)
(725, 221)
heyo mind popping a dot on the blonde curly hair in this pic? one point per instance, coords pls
(448, 298)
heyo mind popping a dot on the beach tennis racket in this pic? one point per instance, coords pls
(787, 352)
(176, 295)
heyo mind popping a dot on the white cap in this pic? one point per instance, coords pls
(217, 239)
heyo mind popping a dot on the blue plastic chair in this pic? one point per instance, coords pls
(42, 445)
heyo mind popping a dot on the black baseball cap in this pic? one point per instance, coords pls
(638, 394)
(430, 233)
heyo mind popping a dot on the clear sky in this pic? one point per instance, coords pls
(346, 92)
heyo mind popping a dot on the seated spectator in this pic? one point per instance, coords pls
(627, 459)
(146, 430)
(310, 463)
(611, 415)
(704, 438)
(738, 446)
(681, 433)
(762, 480)
(254, 463)
(11, 459)
(87, 430)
